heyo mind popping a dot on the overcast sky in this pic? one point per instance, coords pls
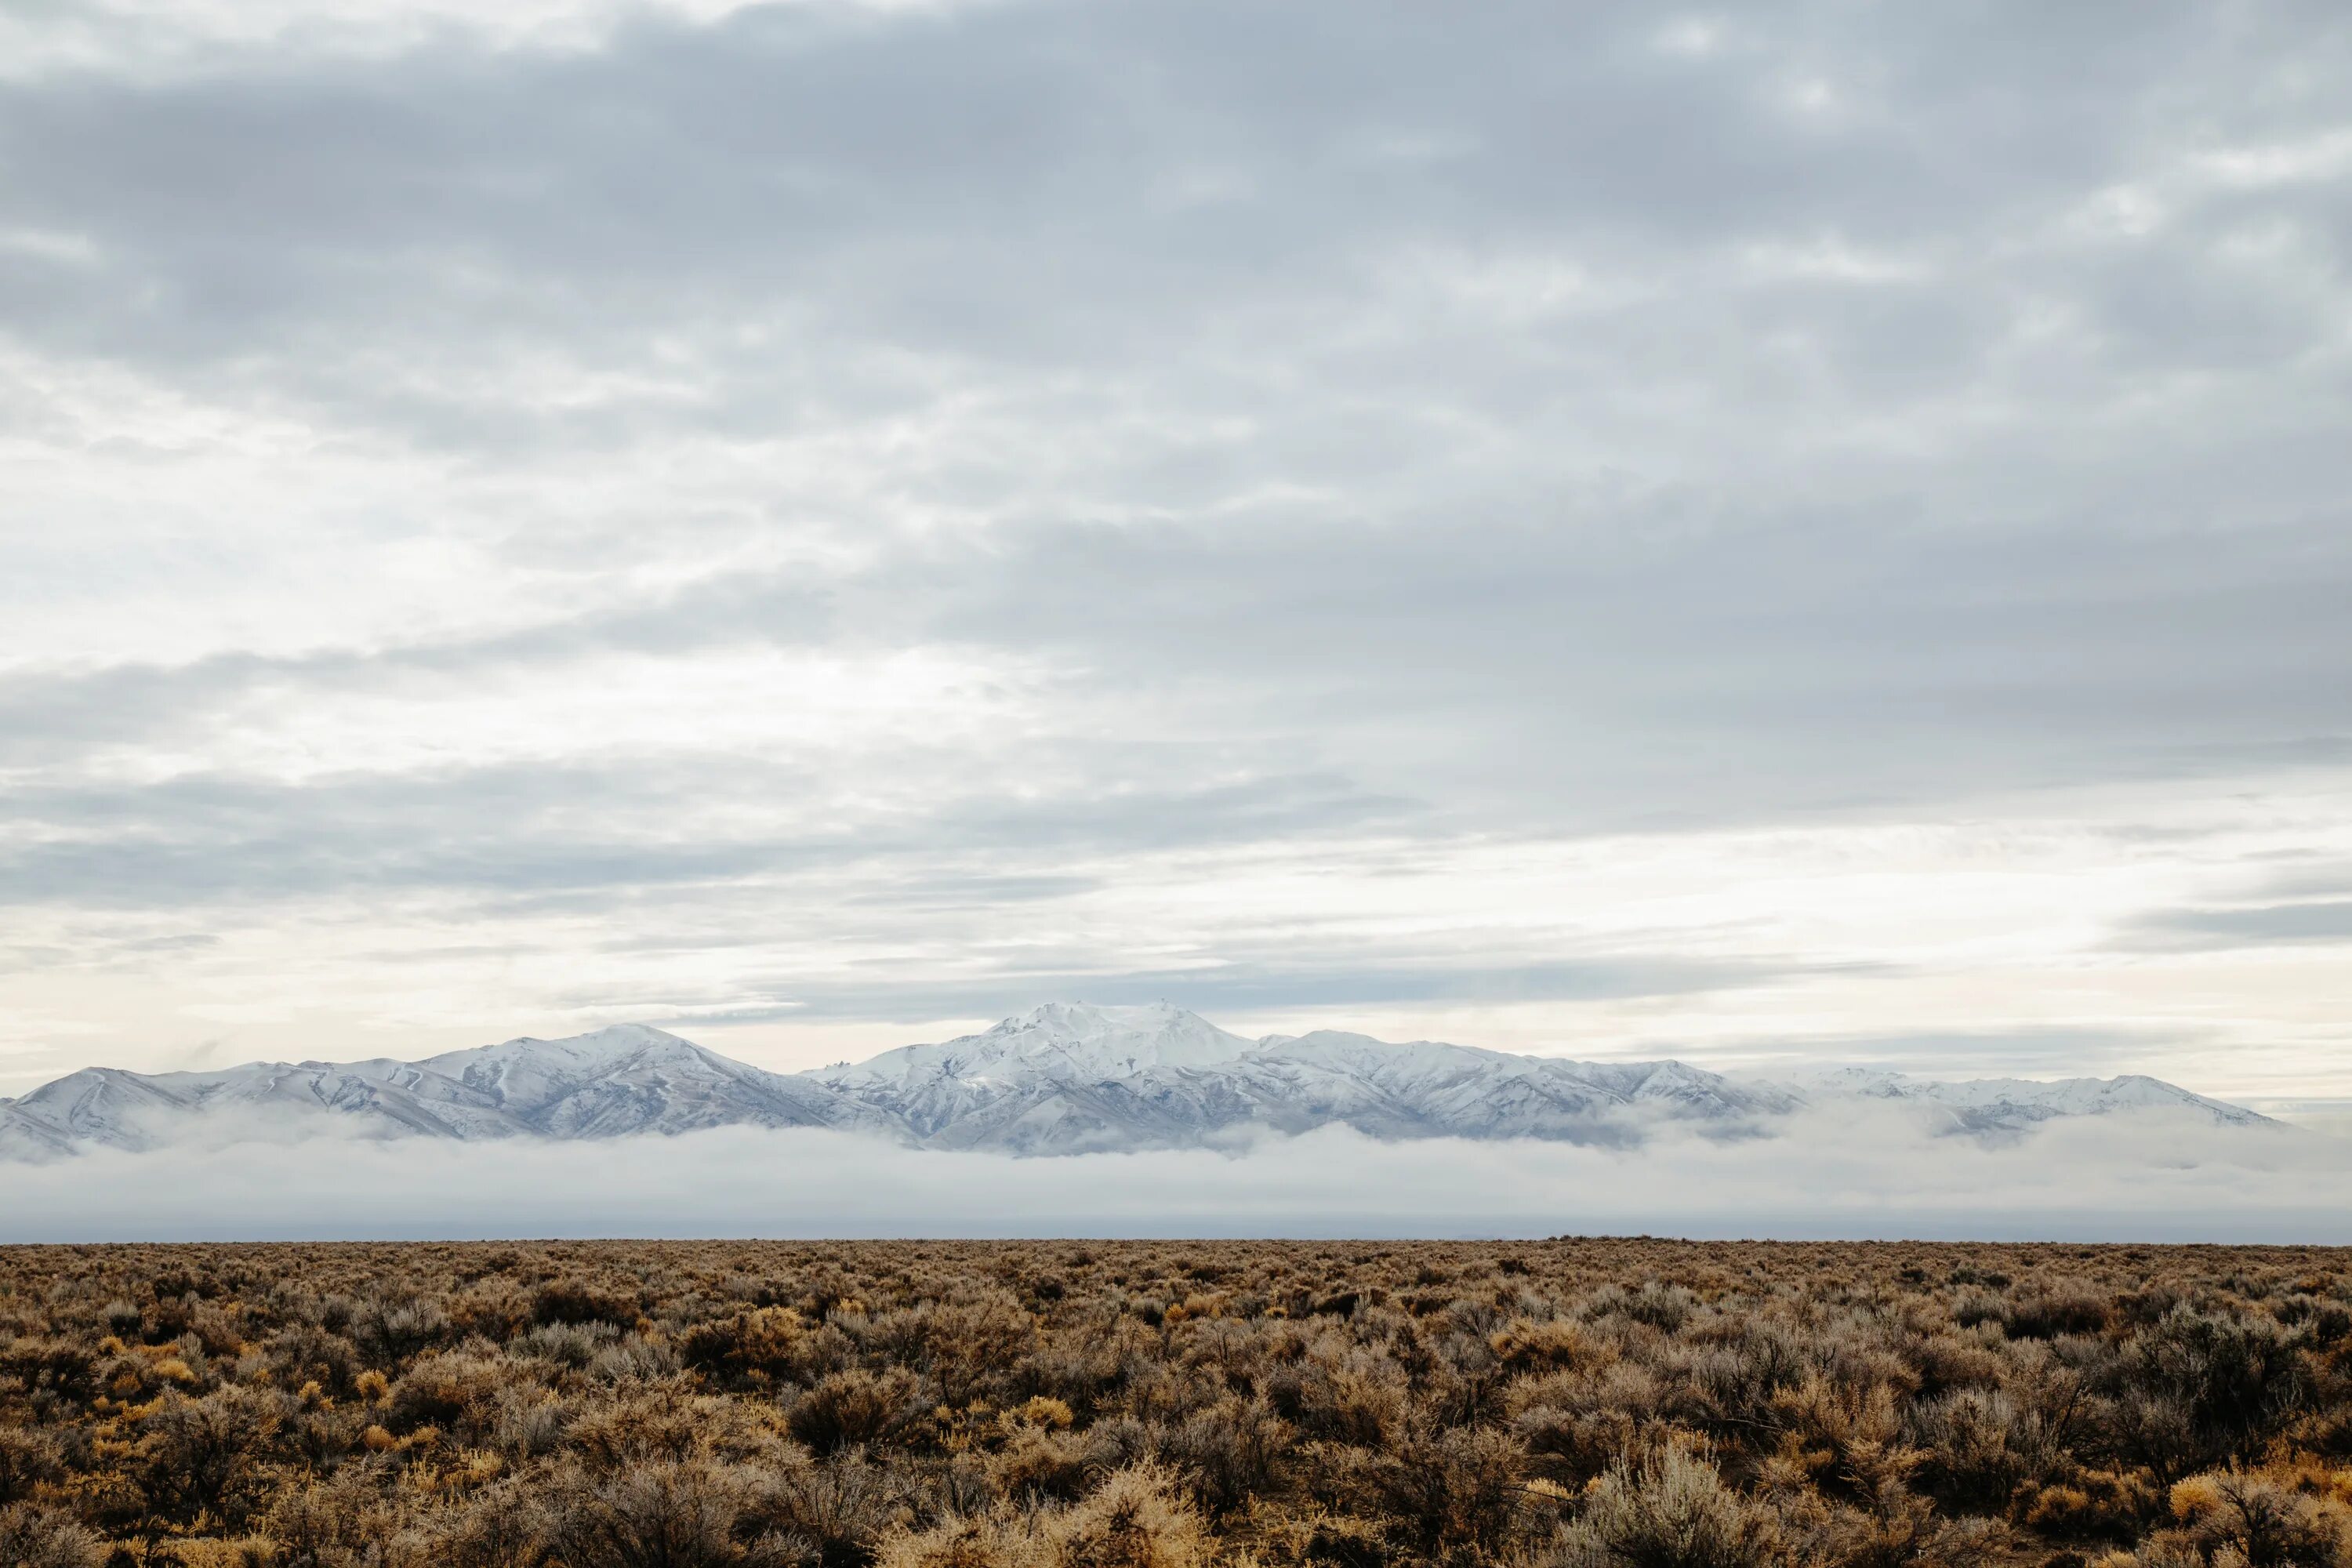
(1808, 532)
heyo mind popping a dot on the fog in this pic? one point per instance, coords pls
(2150, 1176)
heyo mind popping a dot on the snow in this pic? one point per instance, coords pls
(1060, 1077)
(1059, 1040)
(2016, 1101)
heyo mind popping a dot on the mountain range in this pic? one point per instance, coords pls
(1063, 1079)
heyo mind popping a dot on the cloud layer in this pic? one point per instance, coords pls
(1628, 532)
(2144, 1177)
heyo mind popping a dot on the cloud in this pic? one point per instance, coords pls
(1361, 978)
(2258, 925)
(2048, 1052)
(820, 511)
(2149, 1178)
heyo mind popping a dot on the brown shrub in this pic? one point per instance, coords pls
(575, 1300)
(571, 1405)
(855, 1407)
(28, 1457)
(766, 1342)
(1672, 1512)
(1136, 1519)
(2266, 1520)
(35, 1536)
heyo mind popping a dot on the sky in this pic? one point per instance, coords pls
(1803, 533)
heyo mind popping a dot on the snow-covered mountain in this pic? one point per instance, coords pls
(2015, 1104)
(1068, 1078)
(1064, 1077)
(627, 1079)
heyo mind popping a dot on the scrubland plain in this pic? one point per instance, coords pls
(1124, 1405)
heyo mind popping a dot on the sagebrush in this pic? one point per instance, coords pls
(1634, 1404)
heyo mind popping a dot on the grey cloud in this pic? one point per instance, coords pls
(1463, 428)
(973, 892)
(1005, 183)
(1575, 667)
(2042, 1051)
(2261, 925)
(1303, 979)
(2310, 877)
(1998, 597)
(178, 942)
(1582, 668)
(524, 837)
(57, 717)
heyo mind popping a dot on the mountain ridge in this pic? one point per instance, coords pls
(1063, 1078)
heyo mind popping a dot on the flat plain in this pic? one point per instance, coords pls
(1173, 1405)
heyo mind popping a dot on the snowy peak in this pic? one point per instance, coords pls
(2013, 1103)
(1061, 1040)
(1063, 1078)
(624, 1079)
(526, 1073)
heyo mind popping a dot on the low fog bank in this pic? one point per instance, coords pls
(2154, 1176)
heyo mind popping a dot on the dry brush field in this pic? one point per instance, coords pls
(1132, 1405)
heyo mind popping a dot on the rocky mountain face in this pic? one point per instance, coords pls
(1063, 1079)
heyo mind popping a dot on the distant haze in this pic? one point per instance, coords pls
(1773, 536)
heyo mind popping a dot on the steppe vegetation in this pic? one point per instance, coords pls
(1131, 1405)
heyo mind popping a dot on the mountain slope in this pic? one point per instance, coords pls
(624, 1079)
(2015, 1104)
(1064, 1077)
(1068, 1076)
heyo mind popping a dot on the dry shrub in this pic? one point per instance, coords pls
(213, 1551)
(766, 1342)
(1673, 1511)
(388, 1332)
(502, 1526)
(1137, 1519)
(36, 1537)
(204, 1457)
(576, 1300)
(1298, 1536)
(1522, 1346)
(2090, 1505)
(1978, 1447)
(754, 1404)
(28, 1457)
(1037, 1463)
(857, 1407)
(662, 1423)
(1228, 1452)
(1357, 1399)
(662, 1514)
(2049, 1311)
(449, 1390)
(828, 1514)
(2265, 1520)
(2223, 1381)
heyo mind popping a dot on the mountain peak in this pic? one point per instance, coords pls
(612, 1039)
(2019, 1102)
(1062, 1077)
(1081, 1041)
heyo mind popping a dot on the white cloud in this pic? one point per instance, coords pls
(2132, 1177)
